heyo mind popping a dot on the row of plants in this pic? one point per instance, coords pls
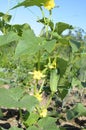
(40, 70)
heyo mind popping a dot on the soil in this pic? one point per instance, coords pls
(11, 116)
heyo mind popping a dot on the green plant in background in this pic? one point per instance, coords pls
(40, 68)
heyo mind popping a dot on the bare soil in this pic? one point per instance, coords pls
(11, 117)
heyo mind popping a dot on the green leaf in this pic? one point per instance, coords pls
(50, 46)
(16, 93)
(76, 82)
(60, 27)
(62, 92)
(5, 17)
(24, 26)
(1, 14)
(82, 74)
(64, 41)
(62, 66)
(55, 35)
(1, 114)
(78, 110)
(80, 63)
(8, 38)
(15, 128)
(20, 28)
(48, 123)
(8, 99)
(75, 45)
(28, 102)
(63, 51)
(28, 3)
(33, 128)
(46, 21)
(32, 119)
(29, 44)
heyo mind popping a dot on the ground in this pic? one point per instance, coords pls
(11, 116)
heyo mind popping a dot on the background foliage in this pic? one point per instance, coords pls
(21, 52)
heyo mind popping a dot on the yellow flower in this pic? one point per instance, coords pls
(49, 4)
(37, 75)
(43, 112)
(38, 96)
(52, 65)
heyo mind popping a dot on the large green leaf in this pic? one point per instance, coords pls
(75, 45)
(76, 82)
(33, 128)
(28, 3)
(19, 28)
(55, 35)
(63, 51)
(49, 46)
(60, 27)
(8, 38)
(64, 41)
(29, 44)
(62, 66)
(80, 63)
(6, 99)
(82, 74)
(15, 128)
(24, 26)
(48, 123)
(28, 102)
(62, 91)
(9, 99)
(16, 93)
(32, 119)
(78, 110)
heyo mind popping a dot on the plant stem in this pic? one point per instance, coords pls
(35, 87)
(39, 56)
(46, 26)
(8, 6)
(49, 101)
(43, 14)
(40, 90)
(21, 117)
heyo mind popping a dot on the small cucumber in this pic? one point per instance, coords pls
(53, 80)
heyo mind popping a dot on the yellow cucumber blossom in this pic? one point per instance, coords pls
(38, 96)
(43, 112)
(52, 65)
(37, 74)
(50, 4)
